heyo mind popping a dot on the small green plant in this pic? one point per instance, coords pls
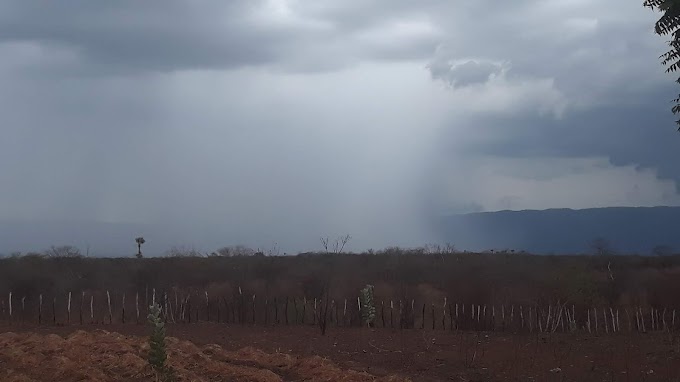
(157, 350)
(367, 306)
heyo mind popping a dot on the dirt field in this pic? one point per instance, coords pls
(435, 355)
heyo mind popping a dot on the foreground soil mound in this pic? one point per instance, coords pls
(106, 356)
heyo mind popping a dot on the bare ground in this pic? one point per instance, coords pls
(300, 353)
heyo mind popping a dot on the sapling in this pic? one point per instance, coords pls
(367, 306)
(157, 349)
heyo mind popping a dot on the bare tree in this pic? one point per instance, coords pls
(337, 246)
(63, 251)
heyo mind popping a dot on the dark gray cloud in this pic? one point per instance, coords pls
(280, 121)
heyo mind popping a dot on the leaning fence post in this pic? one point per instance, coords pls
(40, 298)
(10, 307)
(23, 308)
(54, 310)
(92, 308)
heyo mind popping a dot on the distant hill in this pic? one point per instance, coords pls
(628, 230)
(558, 231)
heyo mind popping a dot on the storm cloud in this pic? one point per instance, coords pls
(279, 121)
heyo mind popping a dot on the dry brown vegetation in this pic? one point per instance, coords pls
(487, 278)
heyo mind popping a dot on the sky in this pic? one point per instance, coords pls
(280, 121)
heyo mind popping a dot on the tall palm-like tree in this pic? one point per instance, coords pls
(140, 240)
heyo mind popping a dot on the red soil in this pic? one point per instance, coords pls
(421, 355)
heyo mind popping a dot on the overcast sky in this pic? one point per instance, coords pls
(283, 120)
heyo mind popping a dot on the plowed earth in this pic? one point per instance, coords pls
(300, 353)
(105, 356)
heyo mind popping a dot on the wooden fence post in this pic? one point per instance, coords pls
(68, 309)
(663, 319)
(242, 307)
(444, 315)
(344, 314)
(40, 298)
(177, 310)
(673, 321)
(54, 310)
(218, 309)
(254, 317)
(359, 310)
(207, 306)
(108, 299)
(122, 317)
(80, 312)
(304, 309)
(23, 308)
(451, 317)
(512, 316)
(266, 310)
(432, 316)
(137, 307)
(276, 311)
(286, 312)
(166, 309)
(457, 320)
(10, 307)
(382, 312)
